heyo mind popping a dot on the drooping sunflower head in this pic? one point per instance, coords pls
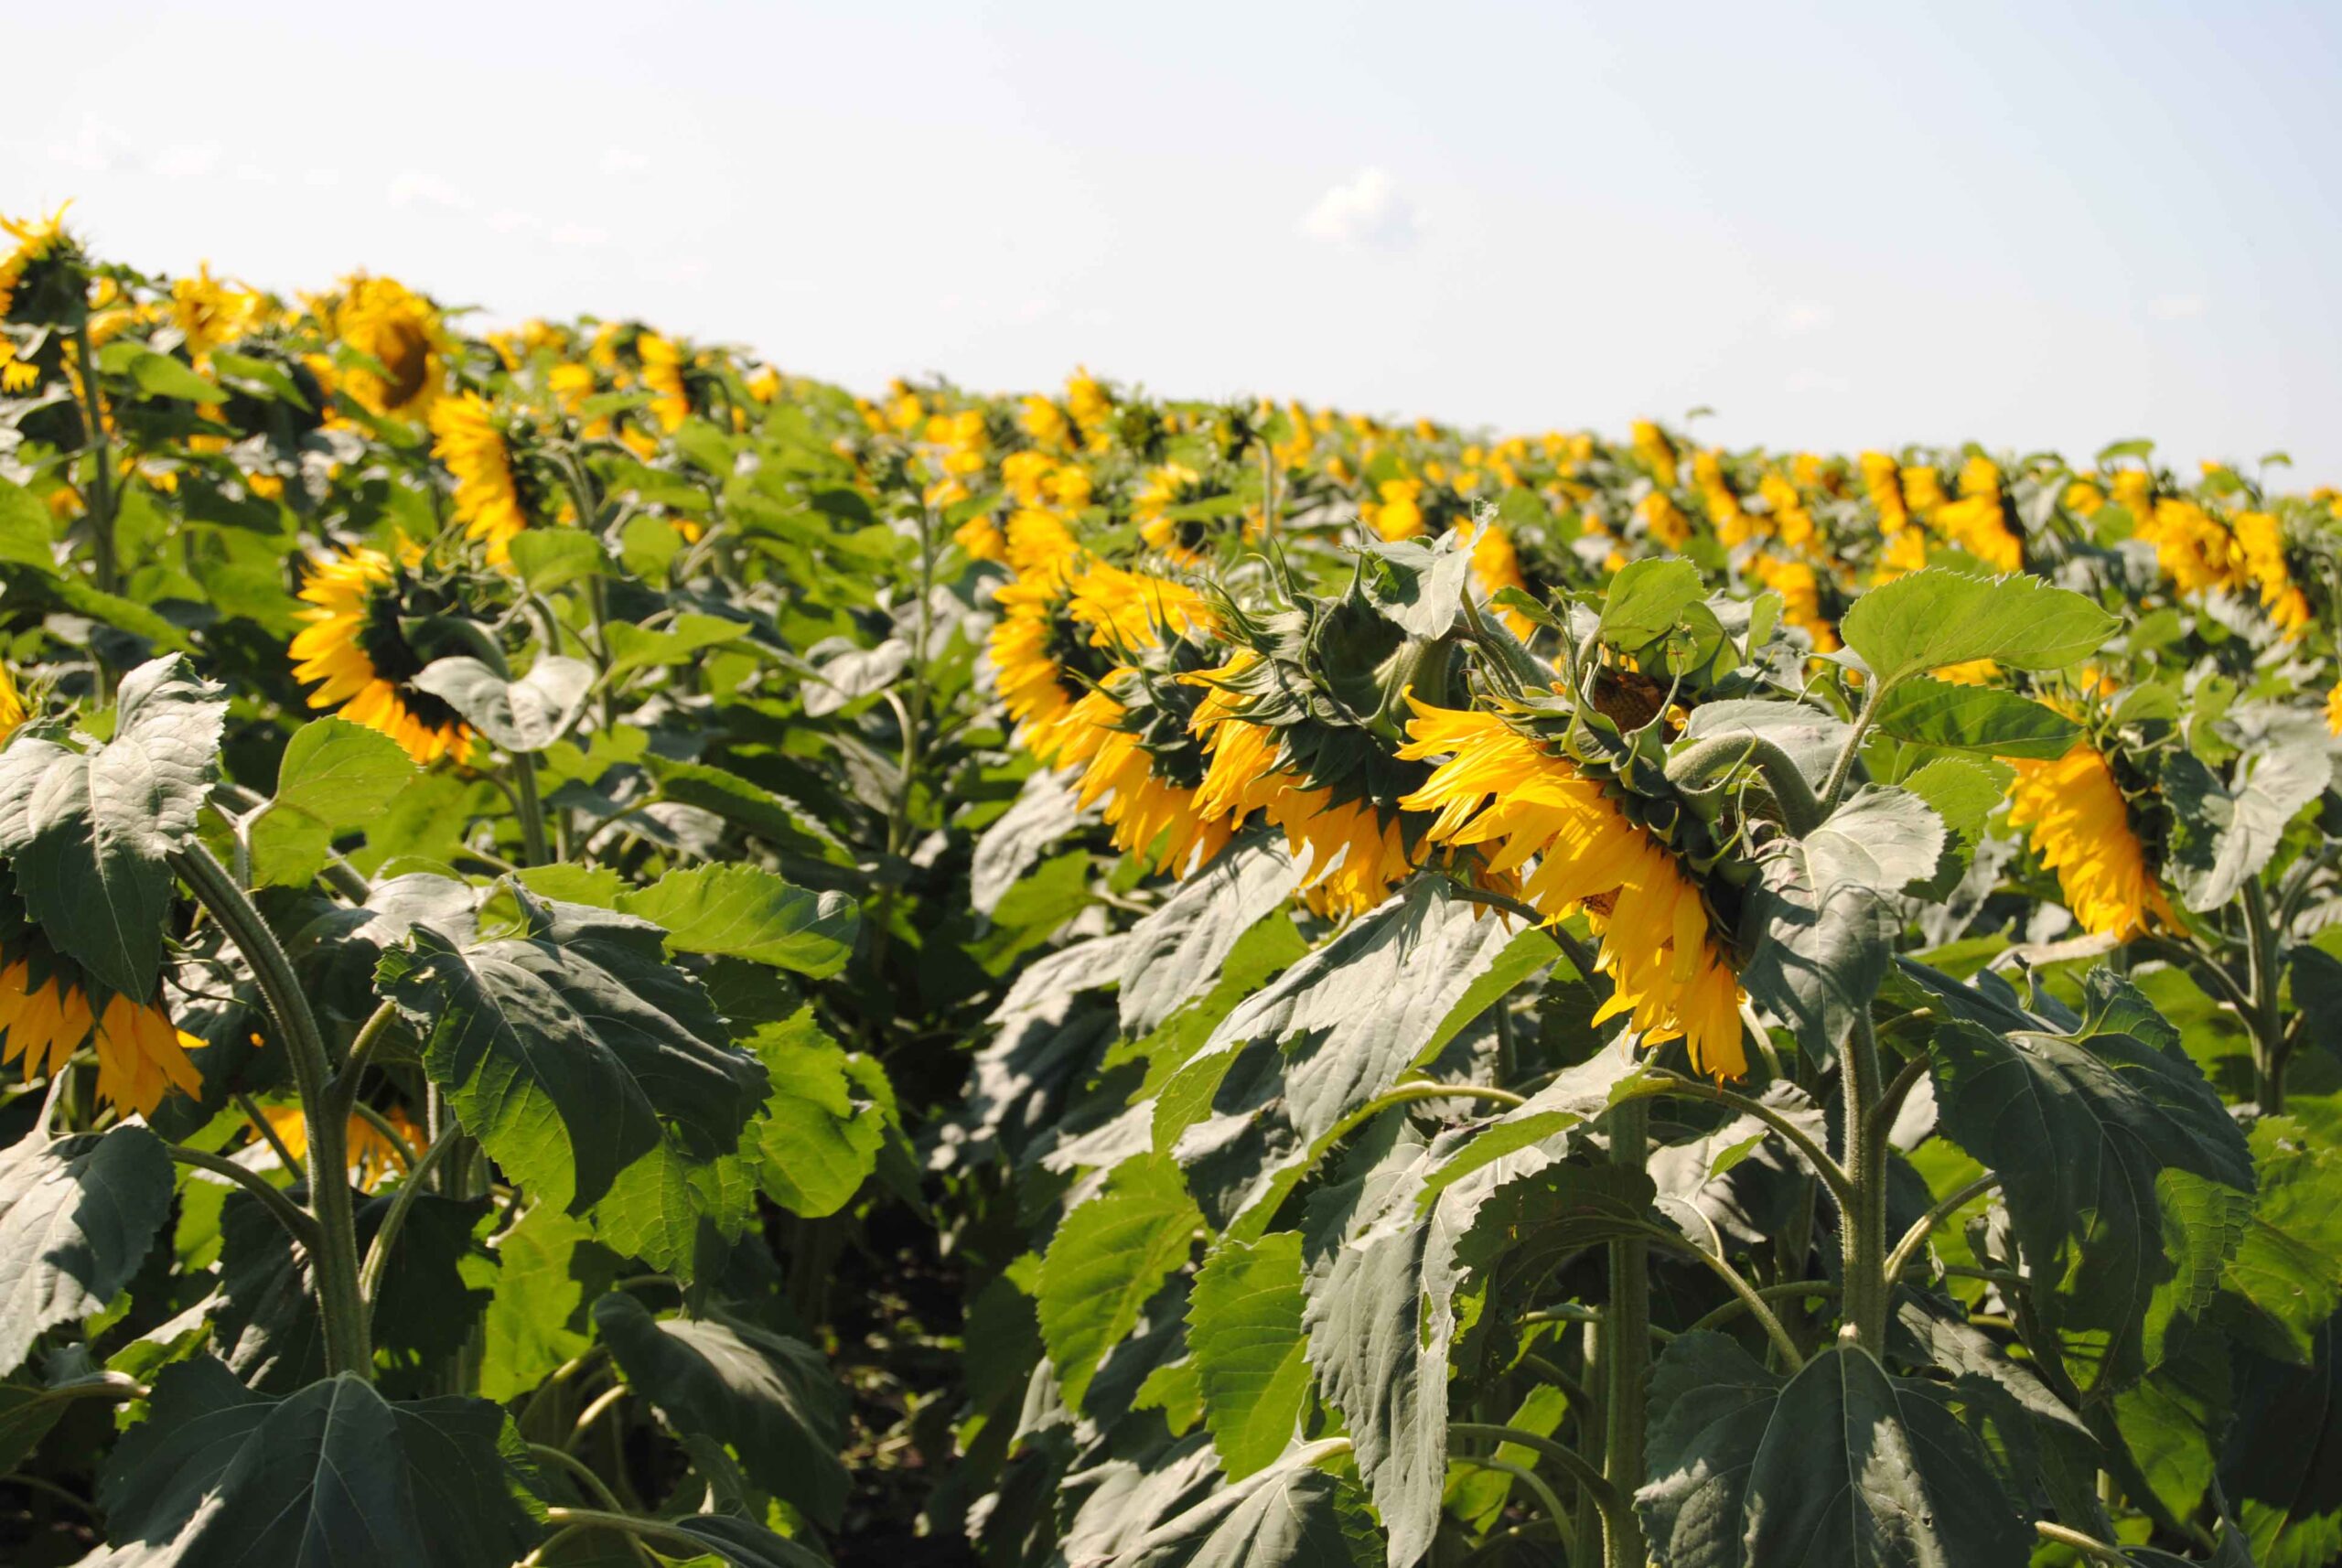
(49, 1009)
(360, 646)
(2085, 828)
(1165, 509)
(501, 487)
(400, 332)
(1133, 739)
(213, 312)
(43, 279)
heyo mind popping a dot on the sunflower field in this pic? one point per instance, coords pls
(612, 956)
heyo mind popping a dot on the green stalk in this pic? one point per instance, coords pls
(2264, 976)
(1841, 769)
(1626, 1354)
(102, 552)
(532, 812)
(1862, 1228)
(341, 1304)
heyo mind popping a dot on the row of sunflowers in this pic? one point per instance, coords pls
(740, 974)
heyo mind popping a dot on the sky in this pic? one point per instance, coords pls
(1835, 226)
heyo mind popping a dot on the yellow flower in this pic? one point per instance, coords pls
(1664, 519)
(1725, 515)
(35, 238)
(1500, 791)
(765, 384)
(2083, 498)
(1801, 591)
(1149, 818)
(353, 648)
(400, 331)
(1496, 566)
(1657, 452)
(2191, 548)
(1045, 423)
(210, 312)
(2082, 827)
(982, 539)
(2261, 545)
(2334, 709)
(1790, 521)
(1969, 672)
(1400, 513)
(12, 706)
(468, 437)
(662, 372)
(1975, 522)
(373, 1155)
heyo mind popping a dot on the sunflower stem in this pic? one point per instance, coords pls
(341, 1304)
(531, 810)
(1861, 1225)
(1625, 1353)
(1843, 767)
(378, 1257)
(2264, 974)
(107, 567)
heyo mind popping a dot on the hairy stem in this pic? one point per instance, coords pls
(1626, 1345)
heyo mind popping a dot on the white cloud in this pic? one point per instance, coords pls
(1805, 316)
(509, 221)
(624, 160)
(253, 174)
(2176, 307)
(578, 235)
(95, 147)
(412, 187)
(1034, 310)
(1366, 209)
(687, 272)
(188, 162)
(322, 177)
(1813, 381)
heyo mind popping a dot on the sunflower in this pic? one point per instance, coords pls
(2261, 545)
(373, 1155)
(354, 648)
(1496, 566)
(210, 312)
(1153, 818)
(1356, 852)
(662, 372)
(2192, 549)
(38, 239)
(1170, 486)
(469, 438)
(1800, 589)
(1502, 791)
(1664, 519)
(1400, 513)
(1657, 451)
(400, 331)
(2334, 709)
(1725, 515)
(1976, 523)
(2082, 827)
(1497, 788)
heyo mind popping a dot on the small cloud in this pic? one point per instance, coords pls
(508, 221)
(322, 177)
(1034, 310)
(1092, 316)
(583, 234)
(1366, 209)
(1805, 316)
(687, 272)
(188, 162)
(412, 187)
(1810, 381)
(94, 148)
(624, 160)
(253, 173)
(2176, 307)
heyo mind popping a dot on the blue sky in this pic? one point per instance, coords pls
(1835, 225)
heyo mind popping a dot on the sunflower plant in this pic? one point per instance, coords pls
(608, 954)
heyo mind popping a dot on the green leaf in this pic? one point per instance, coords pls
(218, 1476)
(746, 911)
(2282, 1465)
(159, 375)
(2172, 1419)
(1325, 1038)
(1937, 617)
(524, 715)
(777, 820)
(1647, 598)
(1821, 919)
(2223, 834)
(1244, 1331)
(77, 1216)
(679, 642)
(771, 1400)
(1974, 718)
(1047, 807)
(2086, 1131)
(744, 1544)
(538, 1287)
(27, 535)
(1293, 1515)
(1417, 584)
(1176, 952)
(2286, 1277)
(550, 558)
(1108, 1257)
(570, 1046)
(1840, 1467)
(814, 1144)
(335, 776)
(88, 831)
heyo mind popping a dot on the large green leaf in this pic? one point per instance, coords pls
(2282, 1465)
(1176, 952)
(743, 1543)
(1821, 919)
(77, 1216)
(1937, 617)
(772, 1400)
(533, 1321)
(1974, 718)
(2123, 1173)
(1321, 1040)
(1840, 1467)
(815, 1142)
(2223, 832)
(2286, 1280)
(567, 1043)
(334, 1477)
(1646, 598)
(1292, 1515)
(746, 911)
(335, 776)
(1244, 1331)
(88, 831)
(1047, 807)
(523, 715)
(1108, 1257)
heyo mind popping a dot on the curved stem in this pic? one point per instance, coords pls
(595, 1485)
(1527, 1476)
(1795, 1290)
(2264, 970)
(1582, 1469)
(390, 1134)
(370, 1035)
(1738, 1284)
(607, 1399)
(259, 1119)
(1703, 762)
(2089, 1546)
(378, 1257)
(1659, 1081)
(1923, 1227)
(291, 1215)
(341, 1304)
(1843, 767)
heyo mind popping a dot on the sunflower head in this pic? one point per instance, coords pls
(374, 625)
(49, 1009)
(400, 344)
(504, 483)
